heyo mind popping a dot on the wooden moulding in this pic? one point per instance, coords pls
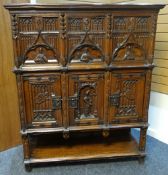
(83, 128)
(88, 6)
(53, 148)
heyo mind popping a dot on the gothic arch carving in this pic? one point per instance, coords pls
(40, 52)
(86, 51)
(129, 49)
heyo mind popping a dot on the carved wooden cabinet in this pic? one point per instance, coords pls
(83, 74)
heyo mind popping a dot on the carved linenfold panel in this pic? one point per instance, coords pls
(41, 52)
(129, 23)
(128, 49)
(86, 51)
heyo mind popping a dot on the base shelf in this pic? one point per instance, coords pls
(53, 148)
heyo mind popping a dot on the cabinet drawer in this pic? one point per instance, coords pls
(86, 98)
(43, 102)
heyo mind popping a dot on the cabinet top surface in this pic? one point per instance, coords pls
(83, 4)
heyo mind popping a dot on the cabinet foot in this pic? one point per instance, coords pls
(28, 167)
(141, 160)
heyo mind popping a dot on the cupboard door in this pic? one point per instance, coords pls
(86, 98)
(126, 97)
(43, 100)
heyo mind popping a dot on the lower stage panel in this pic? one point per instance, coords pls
(83, 146)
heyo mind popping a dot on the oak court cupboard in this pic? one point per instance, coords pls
(83, 73)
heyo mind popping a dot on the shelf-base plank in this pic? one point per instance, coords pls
(56, 149)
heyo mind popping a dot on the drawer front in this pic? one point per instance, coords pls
(86, 98)
(126, 96)
(43, 101)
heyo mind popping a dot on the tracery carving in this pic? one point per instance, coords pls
(86, 51)
(42, 103)
(97, 23)
(26, 24)
(127, 104)
(129, 23)
(74, 24)
(129, 50)
(50, 23)
(40, 52)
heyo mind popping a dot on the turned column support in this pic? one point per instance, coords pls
(26, 146)
(142, 140)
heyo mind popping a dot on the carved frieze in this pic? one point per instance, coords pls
(86, 23)
(50, 23)
(129, 23)
(26, 24)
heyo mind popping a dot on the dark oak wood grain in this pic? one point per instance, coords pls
(83, 73)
